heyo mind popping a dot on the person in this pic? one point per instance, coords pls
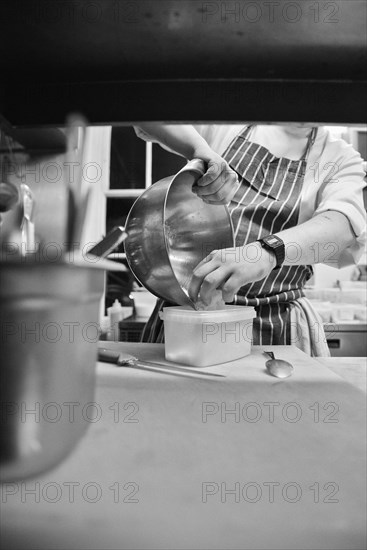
(295, 198)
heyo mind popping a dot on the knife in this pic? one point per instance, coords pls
(124, 360)
(115, 237)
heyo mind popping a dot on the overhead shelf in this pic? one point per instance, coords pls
(123, 193)
(183, 60)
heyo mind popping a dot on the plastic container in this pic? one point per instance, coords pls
(331, 294)
(343, 313)
(127, 311)
(324, 309)
(361, 285)
(144, 302)
(313, 293)
(360, 313)
(354, 296)
(204, 338)
(105, 327)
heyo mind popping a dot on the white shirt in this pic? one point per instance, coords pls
(334, 179)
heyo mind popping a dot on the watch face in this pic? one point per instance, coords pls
(272, 241)
(277, 246)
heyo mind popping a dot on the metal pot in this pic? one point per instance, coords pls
(170, 230)
(49, 315)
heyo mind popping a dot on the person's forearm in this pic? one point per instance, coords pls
(320, 239)
(181, 138)
(219, 183)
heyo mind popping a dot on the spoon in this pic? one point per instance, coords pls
(278, 367)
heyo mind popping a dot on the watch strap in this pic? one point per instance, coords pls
(276, 245)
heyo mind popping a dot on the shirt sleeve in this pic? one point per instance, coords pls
(205, 130)
(217, 136)
(147, 137)
(342, 191)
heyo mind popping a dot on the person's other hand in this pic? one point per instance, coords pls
(219, 183)
(229, 269)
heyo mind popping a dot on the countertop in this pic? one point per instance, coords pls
(185, 461)
(351, 369)
(346, 326)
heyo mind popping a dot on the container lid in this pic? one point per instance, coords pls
(226, 315)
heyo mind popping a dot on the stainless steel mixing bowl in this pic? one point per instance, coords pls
(170, 230)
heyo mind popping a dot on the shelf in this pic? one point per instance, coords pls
(116, 81)
(346, 326)
(123, 193)
(117, 256)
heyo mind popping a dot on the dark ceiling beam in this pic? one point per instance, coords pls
(120, 61)
(42, 104)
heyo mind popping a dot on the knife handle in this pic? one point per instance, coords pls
(121, 359)
(115, 237)
(108, 356)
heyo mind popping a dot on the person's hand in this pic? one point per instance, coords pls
(229, 269)
(219, 183)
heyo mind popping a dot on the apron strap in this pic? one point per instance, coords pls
(310, 142)
(247, 131)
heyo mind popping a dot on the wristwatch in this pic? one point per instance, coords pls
(276, 245)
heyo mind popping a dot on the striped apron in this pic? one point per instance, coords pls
(267, 201)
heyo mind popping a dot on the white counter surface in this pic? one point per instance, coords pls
(351, 369)
(179, 462)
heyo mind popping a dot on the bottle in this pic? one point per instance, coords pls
(105, 328)
(116, 314)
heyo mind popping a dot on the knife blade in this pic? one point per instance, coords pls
(124, 360)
